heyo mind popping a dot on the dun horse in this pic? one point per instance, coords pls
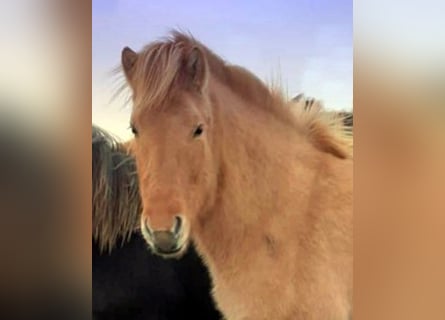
(263, 190)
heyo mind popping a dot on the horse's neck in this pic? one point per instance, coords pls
(262, 158)
(260, 161)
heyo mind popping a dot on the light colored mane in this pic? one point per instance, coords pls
(330, 130)
(158, 66)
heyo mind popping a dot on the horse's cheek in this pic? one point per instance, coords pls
(193, 177)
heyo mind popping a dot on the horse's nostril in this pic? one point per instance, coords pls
(178, 225)
(147, 229)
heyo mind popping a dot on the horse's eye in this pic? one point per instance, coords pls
(198, 131)
(133, 130)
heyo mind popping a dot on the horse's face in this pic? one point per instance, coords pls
(173, 148)
(176, 169)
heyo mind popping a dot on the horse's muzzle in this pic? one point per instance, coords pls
(167, 242)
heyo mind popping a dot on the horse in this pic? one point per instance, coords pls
(128, 281)
(262, 189)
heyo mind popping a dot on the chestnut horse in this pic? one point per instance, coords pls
(264, 190)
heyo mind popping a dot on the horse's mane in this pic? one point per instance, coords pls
(329, 130)
(157, 70)
(158, 65)
(116, 203)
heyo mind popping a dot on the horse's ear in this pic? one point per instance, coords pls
(196, 70)
(128, 60)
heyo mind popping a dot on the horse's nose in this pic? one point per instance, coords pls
(175, 229)
(167, 241)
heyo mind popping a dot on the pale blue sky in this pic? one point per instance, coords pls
(309, 42)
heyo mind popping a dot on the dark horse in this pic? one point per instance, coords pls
(129, 282)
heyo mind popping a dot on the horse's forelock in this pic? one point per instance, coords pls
(158, 68)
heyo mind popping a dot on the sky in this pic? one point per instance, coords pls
(308, 43)
(411, 30)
